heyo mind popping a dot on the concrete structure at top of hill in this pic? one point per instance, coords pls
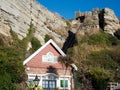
(88, 20)
(99, 18)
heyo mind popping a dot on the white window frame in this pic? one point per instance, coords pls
(64, 78)
(49, 57)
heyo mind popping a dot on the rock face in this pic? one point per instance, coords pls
(19, 13)
(105, 19)
(111, 21)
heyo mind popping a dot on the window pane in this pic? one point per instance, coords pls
(53, 84)
(45, 84)
(66, 83)
(63, 83)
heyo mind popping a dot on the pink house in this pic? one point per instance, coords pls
(44, 64)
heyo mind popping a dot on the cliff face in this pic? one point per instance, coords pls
(19, 13)
(111, 21)
(104, 18)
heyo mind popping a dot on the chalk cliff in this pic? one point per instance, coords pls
(19, 13)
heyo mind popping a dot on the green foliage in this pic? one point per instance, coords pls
(13, 34)
(116, 54)
(5, 82)
(99, 73)
(113, 40)
(70, 51)
(82, 40)
(11, 59)
(65, 61)
(100, 78)
(68, 25)
(11, 62)
(47, 37)
(16, 41)
(29, 37)
(35, 44)
(98, 39)
(98, 51)
(31, 85)
(10, 66)
(101, 39)
(102, 59)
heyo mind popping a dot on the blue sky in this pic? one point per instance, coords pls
(67, 8)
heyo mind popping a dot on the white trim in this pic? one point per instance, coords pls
(62, 76)
(41, 75)
(32, 76)
(74, 66)
(65, 78)
(41, 48)
(49, 55)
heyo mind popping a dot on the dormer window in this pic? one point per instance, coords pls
(49, 57)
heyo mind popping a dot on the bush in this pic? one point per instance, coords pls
(116, 54)
(47, 37)
(68, 25)
(35, 44)
(100, 78)
(11, 67)
(5, 82)
(81, 40)
(102, 59)
(102, 38)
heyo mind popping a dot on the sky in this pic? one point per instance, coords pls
(67, 8)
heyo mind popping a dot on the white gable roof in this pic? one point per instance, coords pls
(41, 48)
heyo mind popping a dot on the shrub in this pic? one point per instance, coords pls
(5, 82)
(47, 37)
(35, 44)
(68, 25)
(100, 78)
(102, 38)
(81, 40)
(102, 59)
(11, 66)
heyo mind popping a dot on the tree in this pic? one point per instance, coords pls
(35, 44)
(66, 62)
(100, 78)
(47, 37)
(11, 67)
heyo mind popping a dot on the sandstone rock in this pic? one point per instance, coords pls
(104, 19)
(111, 21)
(19, 13)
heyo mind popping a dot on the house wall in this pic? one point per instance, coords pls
(36, 67)
(44, 71)
(37, 60)
(40, 76)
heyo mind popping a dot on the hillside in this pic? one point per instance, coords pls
(93, 44)
(92, 40)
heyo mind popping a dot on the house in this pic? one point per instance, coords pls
(45, 65)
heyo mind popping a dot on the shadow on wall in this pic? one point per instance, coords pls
(70, 41)
(52, 69)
